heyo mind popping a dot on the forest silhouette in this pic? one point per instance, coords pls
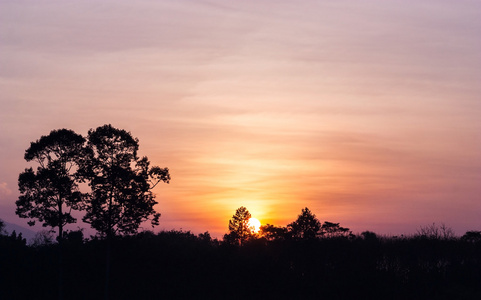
(306, 259)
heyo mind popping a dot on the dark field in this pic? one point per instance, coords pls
(180, 265)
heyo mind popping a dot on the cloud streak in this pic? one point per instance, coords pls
(351, 109)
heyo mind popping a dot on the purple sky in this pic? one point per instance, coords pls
(366, 112)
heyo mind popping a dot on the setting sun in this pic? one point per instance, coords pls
(254, 224)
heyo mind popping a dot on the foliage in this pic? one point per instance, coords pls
(120, 181)
(74, 236)
(330, 230)
(239, 229)
(272, 233)
(369, 236)
(18, 238)
(51, 192)
(435, 232)
(2, 227)
(181, 265)
(472, 236)
(307, 226)
(43, 238)
(207, 238)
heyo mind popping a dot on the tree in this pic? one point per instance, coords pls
(2, 227)
(333, 230)
(435, 232)
(121, 183)
(239, 229)
(51, 192)
(472, 236)
(42, 238)
(271, 232)
(307, 226)
(369, 236)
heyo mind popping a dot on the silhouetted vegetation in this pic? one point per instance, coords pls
(306, 259)
(120, 182)
(181, 265)
(120, 198)
(239, 230)
(51, 192)
(2, 226)
(306, 227)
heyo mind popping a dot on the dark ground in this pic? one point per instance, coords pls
(180, 265)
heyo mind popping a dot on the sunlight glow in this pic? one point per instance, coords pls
(330, 105)
(254, 224)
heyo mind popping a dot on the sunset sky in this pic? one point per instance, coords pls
(367, 112)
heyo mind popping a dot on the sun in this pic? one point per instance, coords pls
(254, 224)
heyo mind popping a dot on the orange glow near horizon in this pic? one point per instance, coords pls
(338, 107)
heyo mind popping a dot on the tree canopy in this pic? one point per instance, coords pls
(51, 192)
(239, 229)
(330, 229)
(121, 182)
(271, 232)
(307, 226)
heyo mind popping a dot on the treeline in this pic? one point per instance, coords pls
(305, 259)
(306, 227)
(181, 265)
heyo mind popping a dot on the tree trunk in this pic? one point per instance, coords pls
(60, 253)
(109, 245)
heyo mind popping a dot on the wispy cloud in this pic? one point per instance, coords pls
(343, 106)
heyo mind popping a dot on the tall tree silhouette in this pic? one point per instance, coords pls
(121, 183)
(239, 229)
(51, 192)
(306, 226)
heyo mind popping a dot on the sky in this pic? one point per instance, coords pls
(366, 112)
